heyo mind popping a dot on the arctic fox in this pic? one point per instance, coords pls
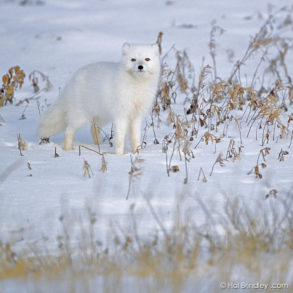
(102, 92)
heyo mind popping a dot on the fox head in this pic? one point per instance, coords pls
(141, 60)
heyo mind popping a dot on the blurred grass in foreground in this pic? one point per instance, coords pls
(240, 244)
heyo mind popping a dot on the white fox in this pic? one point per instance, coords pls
(102, 92)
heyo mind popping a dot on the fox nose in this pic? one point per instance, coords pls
(140, 67)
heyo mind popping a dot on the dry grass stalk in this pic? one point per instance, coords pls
(204, 179)
(21, 144)
(87, 170)
(256, 169)
(159, 42)
(34, 78)
(212, 45)
(103, 160)
(272, 192)
(87, 148)
(155, 111)
(175, 168)
(219, 160)
(291, 139)
(281, 155)
(134, 173)
(232, 153)
(56, 155)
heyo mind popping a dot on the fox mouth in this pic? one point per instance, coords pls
(139, 72)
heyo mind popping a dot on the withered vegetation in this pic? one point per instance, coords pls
(212, 105)
(200, 111)
(10, 82)
(178, 257)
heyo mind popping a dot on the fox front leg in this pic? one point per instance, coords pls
(120, 134)
(135, 134)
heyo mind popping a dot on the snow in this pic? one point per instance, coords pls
(59, 37)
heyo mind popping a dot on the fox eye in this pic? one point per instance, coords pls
(147, 59)
(133, 59)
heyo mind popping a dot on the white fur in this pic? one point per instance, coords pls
(102, 92)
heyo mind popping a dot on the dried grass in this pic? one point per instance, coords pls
(237, 240)
(232, 245)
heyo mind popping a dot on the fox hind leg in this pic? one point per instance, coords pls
(70, 131)
(68, 140)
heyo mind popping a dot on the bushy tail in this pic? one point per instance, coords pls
(53, 120)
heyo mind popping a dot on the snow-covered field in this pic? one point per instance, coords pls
(58, 37)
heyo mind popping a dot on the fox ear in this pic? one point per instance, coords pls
(125, 47)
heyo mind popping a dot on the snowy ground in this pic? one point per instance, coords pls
(60, 36)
